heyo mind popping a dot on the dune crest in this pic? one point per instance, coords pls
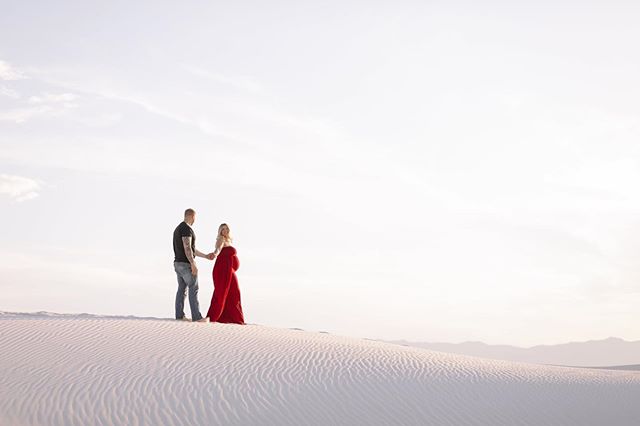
(78, 370)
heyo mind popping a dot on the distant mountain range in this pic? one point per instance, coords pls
(612, 352)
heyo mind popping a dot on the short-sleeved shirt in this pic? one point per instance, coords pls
(183, 230)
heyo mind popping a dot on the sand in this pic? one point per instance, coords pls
(88, 370)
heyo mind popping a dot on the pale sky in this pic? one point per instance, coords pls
(433, 171)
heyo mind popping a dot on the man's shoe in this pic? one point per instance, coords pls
(183, 319)
(205, 319)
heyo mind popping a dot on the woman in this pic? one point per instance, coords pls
(225, 303)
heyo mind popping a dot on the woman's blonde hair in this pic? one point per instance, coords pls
(221, 237)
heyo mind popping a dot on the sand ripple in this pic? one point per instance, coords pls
(83, 370)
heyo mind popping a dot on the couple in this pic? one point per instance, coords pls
(225, 303)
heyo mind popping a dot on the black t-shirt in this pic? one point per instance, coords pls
(183, 230)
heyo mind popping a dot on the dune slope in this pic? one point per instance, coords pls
(79, 370)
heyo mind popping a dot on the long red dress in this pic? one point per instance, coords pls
(225, 302)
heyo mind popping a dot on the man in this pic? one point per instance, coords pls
(184, 263)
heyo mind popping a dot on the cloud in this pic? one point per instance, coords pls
(244, 83)
(289, 149)
(53, 98)
(7, 72)
(10, 93)
(46, 104)
(19, 188)
(21, 115)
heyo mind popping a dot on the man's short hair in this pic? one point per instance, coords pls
(189, 212)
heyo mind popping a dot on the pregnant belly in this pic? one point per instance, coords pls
(235, 263)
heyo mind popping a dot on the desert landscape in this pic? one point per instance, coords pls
(84, 369)
(334, 213)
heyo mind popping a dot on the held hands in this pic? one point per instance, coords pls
(210, 256)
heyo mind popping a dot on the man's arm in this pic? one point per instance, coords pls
(201, 254)
(186, 243)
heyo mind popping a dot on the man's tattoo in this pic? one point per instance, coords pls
(186, 243)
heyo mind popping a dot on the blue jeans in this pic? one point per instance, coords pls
(186, 280)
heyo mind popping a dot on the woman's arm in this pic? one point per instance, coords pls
(219, 243)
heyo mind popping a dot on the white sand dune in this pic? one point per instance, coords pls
(83, 370)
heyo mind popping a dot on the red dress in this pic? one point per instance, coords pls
(225, 302)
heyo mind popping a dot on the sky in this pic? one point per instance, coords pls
(428, 171)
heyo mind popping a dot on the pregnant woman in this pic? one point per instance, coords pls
(225, 303)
